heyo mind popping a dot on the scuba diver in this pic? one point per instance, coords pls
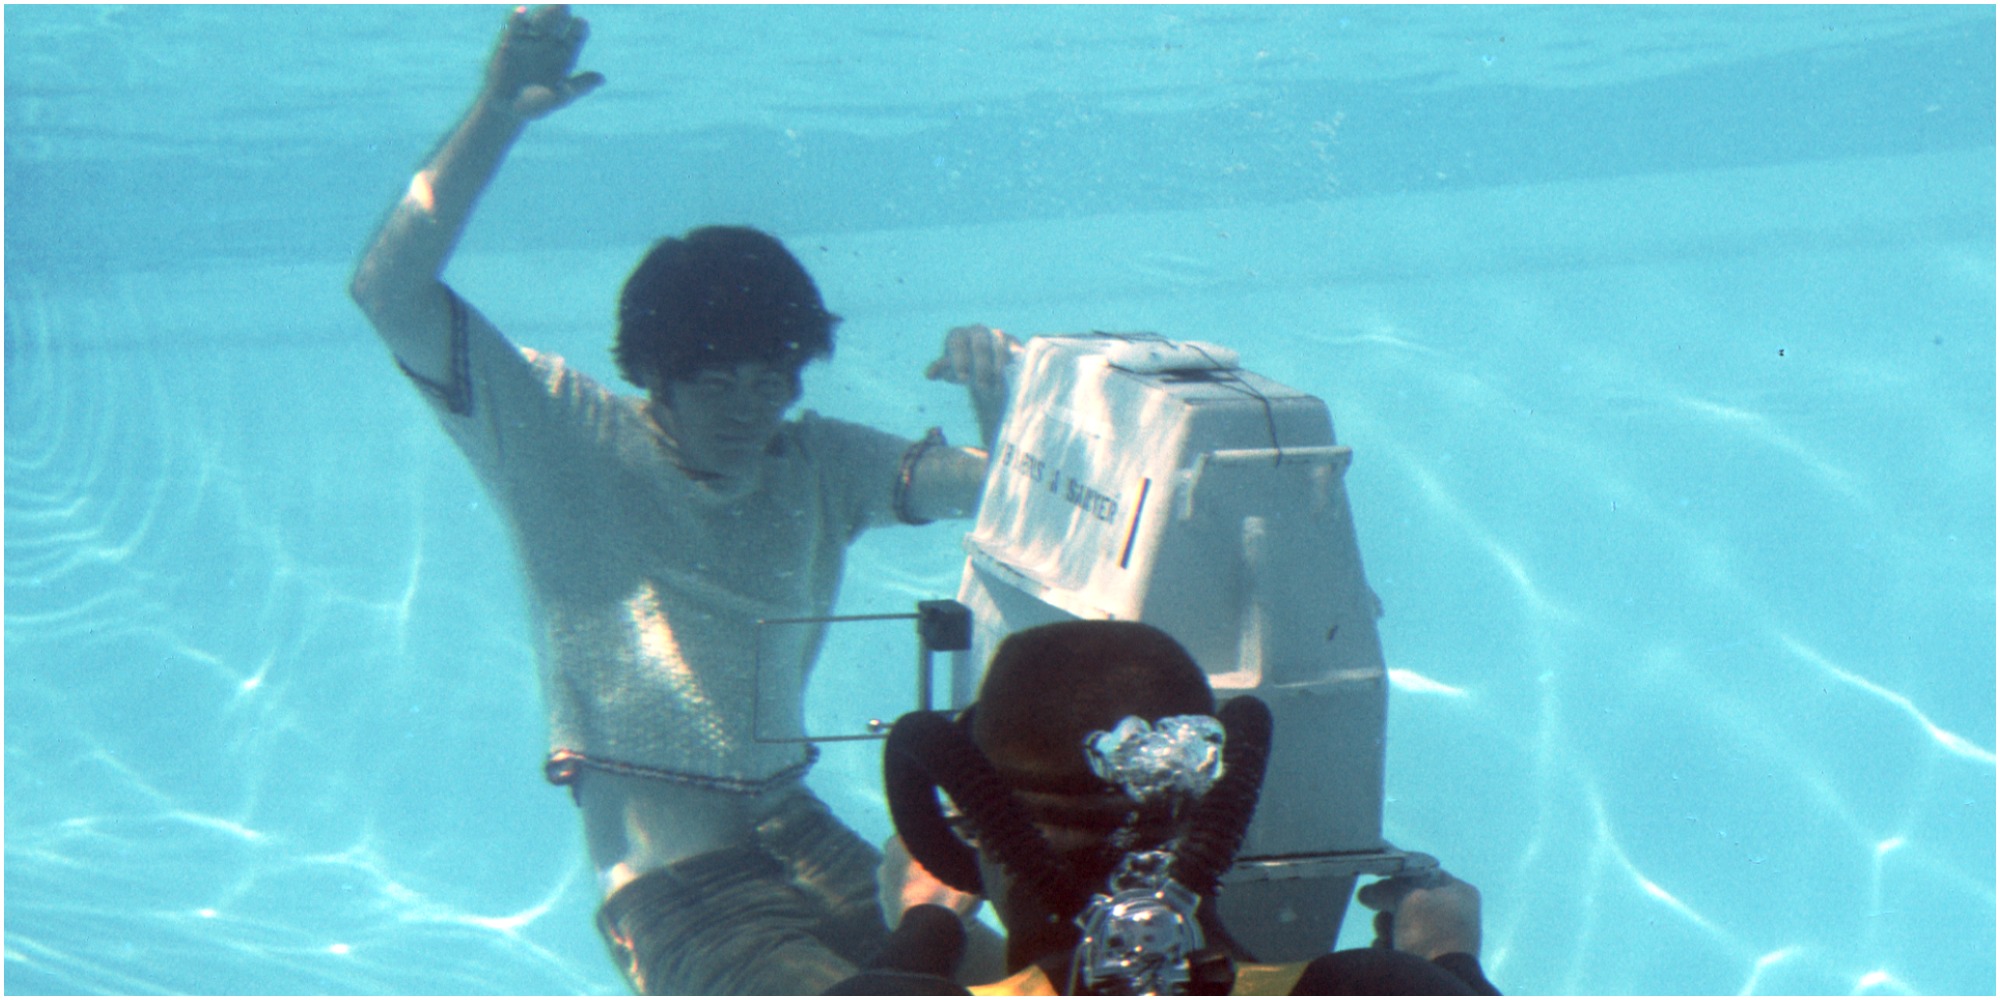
(1100, 796)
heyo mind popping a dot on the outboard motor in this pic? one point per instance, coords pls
(1143, 479)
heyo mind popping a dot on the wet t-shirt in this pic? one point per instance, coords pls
(646, 584)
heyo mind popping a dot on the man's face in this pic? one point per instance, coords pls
(723, 418)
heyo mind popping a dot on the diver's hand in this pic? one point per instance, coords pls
(1432, 914)
(904, 884)
(977, 357)
(529, 72)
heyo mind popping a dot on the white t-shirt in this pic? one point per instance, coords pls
(646, 584)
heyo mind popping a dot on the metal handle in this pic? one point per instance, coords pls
(942, 626)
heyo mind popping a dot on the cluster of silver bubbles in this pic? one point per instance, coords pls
(1180, 754)
(1139, 934)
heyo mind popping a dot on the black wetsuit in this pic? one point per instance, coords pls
(925, 948)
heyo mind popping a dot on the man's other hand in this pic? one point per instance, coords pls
(977, 357)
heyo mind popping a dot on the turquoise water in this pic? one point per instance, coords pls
(1663, 337)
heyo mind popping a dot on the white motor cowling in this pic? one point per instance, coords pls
(1142, 479)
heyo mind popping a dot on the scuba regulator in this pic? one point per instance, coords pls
(1141, 931)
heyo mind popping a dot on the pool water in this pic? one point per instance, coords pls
(1663, 337)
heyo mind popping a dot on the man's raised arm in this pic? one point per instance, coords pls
(398, 281)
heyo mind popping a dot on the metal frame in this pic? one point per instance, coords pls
(942, 626)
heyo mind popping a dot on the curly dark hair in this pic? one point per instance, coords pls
(717, 297)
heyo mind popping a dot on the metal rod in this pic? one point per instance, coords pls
(757, 677)
(924, 661)
(828, 619)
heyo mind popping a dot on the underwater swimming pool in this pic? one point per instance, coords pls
(1663, 337)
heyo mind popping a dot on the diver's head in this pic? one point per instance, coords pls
(1050, 830)
(1049, 687)
(1046, 691)
(715, 299)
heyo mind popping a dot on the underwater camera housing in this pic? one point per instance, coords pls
(1143, 479)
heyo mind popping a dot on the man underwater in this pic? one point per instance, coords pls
(654, 533)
